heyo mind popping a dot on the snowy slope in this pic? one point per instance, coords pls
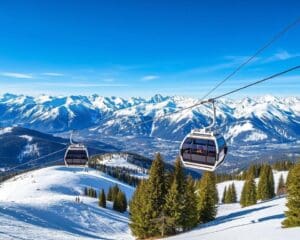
(41, 205)
(259, 222)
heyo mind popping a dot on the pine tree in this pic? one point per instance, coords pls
(115, 191)
(293, 198)
(179, 176)
(85, 191)
(248, 196)
(288, 179)
(233, 193)
(228, 196)
(207, 198)
(190, 216)
(121, 202)
(252, 171)
(110, 194)
(156, 192)
(281, 189)
(265, 188)
(148, 201)
(173, 208)
(175, 198)
(102, 199)
(224, 194)
(271, 184)
(139, 218)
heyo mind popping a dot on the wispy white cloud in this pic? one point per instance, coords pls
(53, 74)
(149, 78)
(83, 85)
(281, 56)
(228, 62)
(16, 75)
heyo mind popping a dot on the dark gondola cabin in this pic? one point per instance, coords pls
(204, 151)
(76, 154)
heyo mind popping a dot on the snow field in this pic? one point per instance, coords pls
(41, 205)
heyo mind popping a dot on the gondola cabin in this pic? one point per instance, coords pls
(76, 154)
(203, 150)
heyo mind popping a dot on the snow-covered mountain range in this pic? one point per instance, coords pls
(262, 121)
(250, 120)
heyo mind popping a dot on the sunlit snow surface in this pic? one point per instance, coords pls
(259, 222)
(41, 205)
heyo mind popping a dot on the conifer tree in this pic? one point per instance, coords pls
(281, 188)
(228, 196)
(265, 188)
(102, 199)
(179, 176)
(293, 198)
(139, 212)
(224, 194)
(173, 208)
(122, 201)
(115, 191)
(175, 198)
(233, 193)
(288, 179)
(190, 217)
(156, 192)
(252, 171)
(110, 194)
(248, 196)
(207, 198)
(271, 183)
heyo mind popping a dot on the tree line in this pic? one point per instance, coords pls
(169, 202)
(115, 195)
(121, 173)
(283, 165)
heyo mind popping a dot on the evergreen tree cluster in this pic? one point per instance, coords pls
(120, 202)
(283, 165)
(293, 198)
(170, 202)
(90, 192)
(121, 173)
(118, 198)
(229, 195)
(265, 189)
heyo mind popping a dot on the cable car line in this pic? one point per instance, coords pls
(223, 95)
(33, 160)
(260, 50)
(257, 82)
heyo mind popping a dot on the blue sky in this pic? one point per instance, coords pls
(140, 48)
